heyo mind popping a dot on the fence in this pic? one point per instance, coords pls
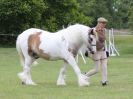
(8, 40)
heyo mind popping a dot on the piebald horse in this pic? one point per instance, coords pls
(62, 45)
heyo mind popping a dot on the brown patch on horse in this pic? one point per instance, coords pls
(101, 38)
(33, 47)
(73, 51)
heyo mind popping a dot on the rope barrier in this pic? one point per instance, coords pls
(8, 35)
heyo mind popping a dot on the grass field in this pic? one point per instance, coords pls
(120, 76)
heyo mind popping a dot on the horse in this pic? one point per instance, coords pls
(64, 44)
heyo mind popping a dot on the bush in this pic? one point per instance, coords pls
(18, 15)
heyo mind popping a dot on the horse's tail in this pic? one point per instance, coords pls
(20, 53)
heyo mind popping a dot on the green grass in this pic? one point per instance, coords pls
(120, 76)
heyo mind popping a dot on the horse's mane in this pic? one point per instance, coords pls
(72, 27)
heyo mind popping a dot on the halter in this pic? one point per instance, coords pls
(93, 45)
(90, 41)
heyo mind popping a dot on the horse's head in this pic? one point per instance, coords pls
(92, 39)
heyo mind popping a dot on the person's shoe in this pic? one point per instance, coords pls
(104, 83)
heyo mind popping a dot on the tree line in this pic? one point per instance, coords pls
(51, 15)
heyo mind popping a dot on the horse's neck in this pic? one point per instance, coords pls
(74, 38)
(73, 35)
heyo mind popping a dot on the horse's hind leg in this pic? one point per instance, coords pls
(61, 78)
(25, 76)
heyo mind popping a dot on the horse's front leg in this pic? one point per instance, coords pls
(61, 77)
(82, 79)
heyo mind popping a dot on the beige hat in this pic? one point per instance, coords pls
(101, 19)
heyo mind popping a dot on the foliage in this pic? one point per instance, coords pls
(18, 15)
(62, 13)
(120, 13)
(116, 11)
(130, 14)
(99, 9)
(52, 15)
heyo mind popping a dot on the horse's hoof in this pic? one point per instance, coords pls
(85, 84)
(83, 80)
(31, 83)
(62, 83)
(34, 84)
(23, 83)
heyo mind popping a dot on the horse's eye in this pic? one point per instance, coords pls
(91, 39)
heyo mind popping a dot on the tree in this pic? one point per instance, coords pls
(95, 9)
(130, 16)
(116, 11)
(120, 16)
(61, 13)
(18, 15)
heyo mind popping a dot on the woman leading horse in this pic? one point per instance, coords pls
(100, 57)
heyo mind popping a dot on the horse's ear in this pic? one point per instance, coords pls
(92, 31)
